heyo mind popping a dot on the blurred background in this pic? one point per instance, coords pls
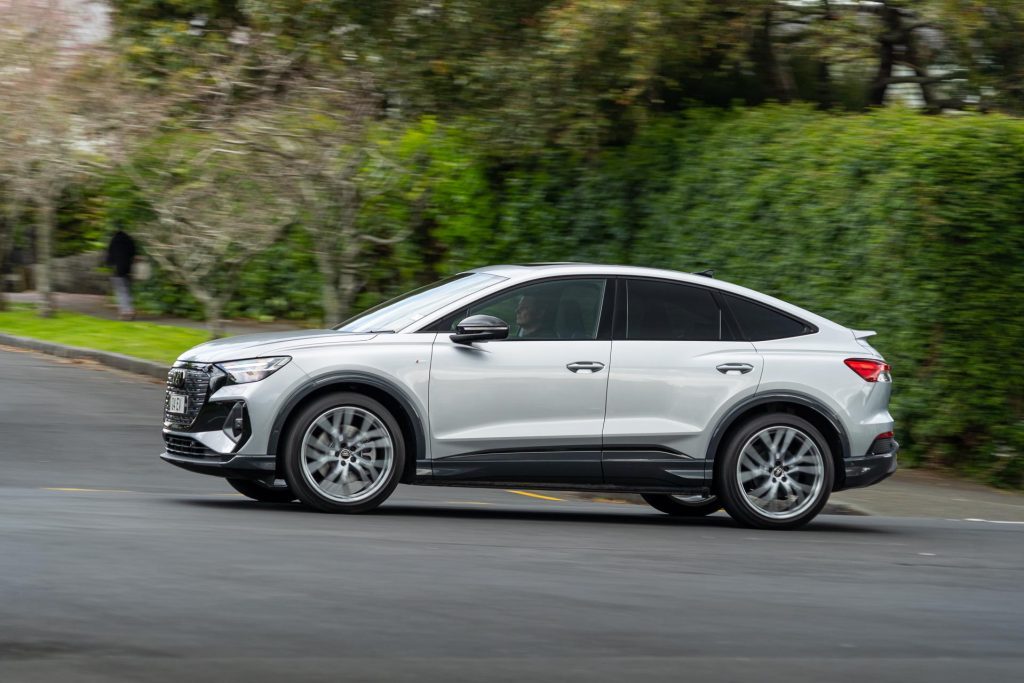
(290, 163)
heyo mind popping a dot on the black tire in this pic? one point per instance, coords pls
(671, 505)
(259, 491)
(735, 498)
(301, 481)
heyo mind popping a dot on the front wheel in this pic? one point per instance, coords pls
(776, 472)
(344, 453)
(683, 506)
(259, 491)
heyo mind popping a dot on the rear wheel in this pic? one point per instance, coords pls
(257, 490)
(776, 472)
(683, 506)
(344, 453)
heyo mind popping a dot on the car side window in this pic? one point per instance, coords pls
(761, 323)
(557, 309)
(661, 311)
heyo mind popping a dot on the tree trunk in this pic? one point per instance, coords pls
(428, 247)
(891, 27)
(6, 239)
(348, 287)
(44, 259)
(329, 299)
(214, 309)
(931, 103)
(348, 273)
(329, 287)
(3, 259)
(772, 71)
(824, 86)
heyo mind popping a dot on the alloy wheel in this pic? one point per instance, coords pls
(781, 472)
(347, 454)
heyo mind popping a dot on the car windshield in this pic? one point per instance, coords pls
(404, 310)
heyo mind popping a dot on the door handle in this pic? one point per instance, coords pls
(587, 367)
(741, 368)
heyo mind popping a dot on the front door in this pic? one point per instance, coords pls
(529, 408)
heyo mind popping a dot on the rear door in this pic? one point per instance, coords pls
(676, 367)
(529, 408)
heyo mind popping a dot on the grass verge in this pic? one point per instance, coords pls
(161, 343)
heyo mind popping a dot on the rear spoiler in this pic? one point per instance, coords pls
(863, 334)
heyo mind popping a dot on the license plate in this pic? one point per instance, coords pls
(177, 403)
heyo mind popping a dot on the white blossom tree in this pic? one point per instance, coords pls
(214, 208)
(52, 122)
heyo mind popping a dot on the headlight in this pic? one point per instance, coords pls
(253, 369)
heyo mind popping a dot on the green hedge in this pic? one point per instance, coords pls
(907, 224)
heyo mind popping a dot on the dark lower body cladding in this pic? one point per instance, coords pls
(530, 470)
(190, 454)
(870, 469)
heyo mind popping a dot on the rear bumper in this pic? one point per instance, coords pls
(870, 469)
(232, 466)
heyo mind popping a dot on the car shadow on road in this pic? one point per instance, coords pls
(398, 510)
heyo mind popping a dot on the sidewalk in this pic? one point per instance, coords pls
(927, 493)
(100, 306)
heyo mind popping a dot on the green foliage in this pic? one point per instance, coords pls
(563, 206)
(281, 283)
(910, 225)
(893, 221)
(986, 38)
(443, 198)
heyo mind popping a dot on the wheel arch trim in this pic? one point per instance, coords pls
(743, 407)
(392, 389)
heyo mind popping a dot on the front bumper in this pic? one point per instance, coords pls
(229, 465)
(867, 470)
(200, 441)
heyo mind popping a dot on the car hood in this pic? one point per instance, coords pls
(266, 344)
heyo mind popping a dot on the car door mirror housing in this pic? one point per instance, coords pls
(480, 328)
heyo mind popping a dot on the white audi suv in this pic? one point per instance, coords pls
(696, 393)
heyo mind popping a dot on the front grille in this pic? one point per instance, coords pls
(194, 382)
(186, 447)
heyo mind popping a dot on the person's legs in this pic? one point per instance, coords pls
(123, 292)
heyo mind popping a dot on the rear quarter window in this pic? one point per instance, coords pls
(657, 310)
(761, 323)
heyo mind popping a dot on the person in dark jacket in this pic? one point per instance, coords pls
(120, 256)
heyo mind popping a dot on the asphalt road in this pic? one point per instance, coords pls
(116, 566)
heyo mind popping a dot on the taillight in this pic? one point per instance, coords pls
(869, 369)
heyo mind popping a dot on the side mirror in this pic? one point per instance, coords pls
(480, 328)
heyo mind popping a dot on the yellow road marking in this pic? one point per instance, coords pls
(74, 490)
(533, 495)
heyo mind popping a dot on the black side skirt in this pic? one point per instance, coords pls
(647, 469)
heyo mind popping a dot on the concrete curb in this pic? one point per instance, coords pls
(114, 360)
(832, 508)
